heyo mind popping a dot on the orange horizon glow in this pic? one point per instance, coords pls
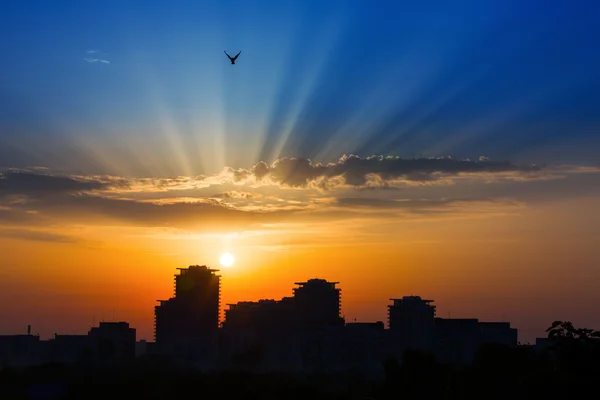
(494, 267)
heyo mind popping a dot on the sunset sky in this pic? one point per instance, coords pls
(444, 149)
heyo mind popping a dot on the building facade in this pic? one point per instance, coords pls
(411, 323)
(188, 322)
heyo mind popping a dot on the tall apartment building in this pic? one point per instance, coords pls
(318, 303)
(191, 317)
(411, 322)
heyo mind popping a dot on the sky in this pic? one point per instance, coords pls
(433, 148)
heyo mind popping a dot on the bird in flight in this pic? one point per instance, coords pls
(232, 58)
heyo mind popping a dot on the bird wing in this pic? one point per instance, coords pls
(236, 56)
(225, 51)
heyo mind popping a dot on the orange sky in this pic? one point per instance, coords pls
(522, 250)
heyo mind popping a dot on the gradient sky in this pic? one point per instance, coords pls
(433, 148)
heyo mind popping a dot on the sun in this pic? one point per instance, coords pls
(227, 259)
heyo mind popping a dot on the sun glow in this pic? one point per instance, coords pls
(227, 259)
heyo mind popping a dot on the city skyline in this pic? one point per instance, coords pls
(197, 291)
(296, 334)
(446, 150)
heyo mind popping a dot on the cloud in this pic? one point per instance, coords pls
(372, 202)
(290, 190)
(234, 194)
(98, 209)
(96, 56)
(390, 212)
(421, 205)
(30, 184)
(369, 202)
(374, 171)
(10, 216)
(96, 60)
(371, 173)
(36, 235)
(383, 187)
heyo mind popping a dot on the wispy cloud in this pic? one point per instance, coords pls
(36, 235)
(96, 60)
(98, 57)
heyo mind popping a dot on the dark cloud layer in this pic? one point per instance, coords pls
(299, 172)
(30, 197)
(295, 172)
(16, 216)
(36, 198)
(91, 209)
(28, 183)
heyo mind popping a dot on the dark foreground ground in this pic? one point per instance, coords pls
(497, 373)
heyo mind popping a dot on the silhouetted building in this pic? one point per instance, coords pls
(498, 333)
(68, 349)
(266, 315)
(366, 345)
(318, 304)
(263, 317)
(542, 344)
(270, 334)
(255, 332)
(318, 350)
(19, 350)
(304, 333)
(365, 326)
(188, 323)
(458, 340)
(354, 348)
(411, 323)
(112, 342)
(141, 348)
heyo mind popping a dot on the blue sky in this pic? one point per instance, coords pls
(507, 79)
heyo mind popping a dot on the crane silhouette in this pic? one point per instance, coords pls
(232, 58)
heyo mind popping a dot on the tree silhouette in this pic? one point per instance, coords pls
(565, 329)
(575, 352)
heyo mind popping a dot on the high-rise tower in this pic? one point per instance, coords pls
(193, 313)
(318, 303)
(411, 322)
